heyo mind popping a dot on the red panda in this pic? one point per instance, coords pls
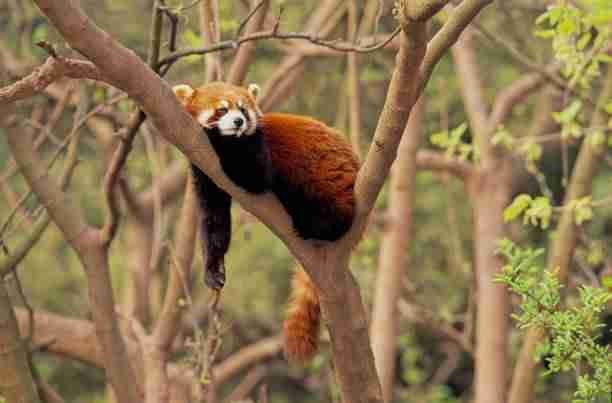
(307, 165)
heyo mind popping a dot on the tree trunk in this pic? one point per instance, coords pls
(393, 255)
(490, 197)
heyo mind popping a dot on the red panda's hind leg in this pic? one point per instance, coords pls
(313, 218)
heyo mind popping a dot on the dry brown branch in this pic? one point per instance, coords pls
(323, 20)
(514, 95)
(472, 90)
(253, 22)
(437, 161)
(168, 323)
(53, 69)
(86, 242)
(462, 15)
(111, 177)
(257, 352)
(422, 316)
(336, 45)
(352, 83)
(76, 339)
(248, 383)
(491, 192)
(16, 381)
(209, 29)
(393, 257)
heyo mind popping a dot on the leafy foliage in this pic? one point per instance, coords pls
(571, 332)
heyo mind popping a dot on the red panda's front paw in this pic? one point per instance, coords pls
(214, 277)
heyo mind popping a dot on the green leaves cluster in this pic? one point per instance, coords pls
(454, 144)
(579, 37)
(571, 332)
(537, 211)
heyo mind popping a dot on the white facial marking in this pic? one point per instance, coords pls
(204, 116)
(233, 123)
(224, 104)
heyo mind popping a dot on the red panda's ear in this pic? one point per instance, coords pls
(183, 92)
(254, 93)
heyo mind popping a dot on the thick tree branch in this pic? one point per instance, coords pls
(462, 15)
(168, 323)
(401, 96)
(16, 381)
(53, 69)
(472, 90)
(393, 257)
(437, 161)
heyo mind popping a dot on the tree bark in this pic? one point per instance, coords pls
(16, 382)
(394, 254)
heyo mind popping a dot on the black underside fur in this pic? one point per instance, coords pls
(246, 161)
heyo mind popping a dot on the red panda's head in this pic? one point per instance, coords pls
(230, 109)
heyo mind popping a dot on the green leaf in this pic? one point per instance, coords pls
(583, 209)
(584, 41)
(568, 114)
(503, 137)
(597, 138)
(458, 131)
(519, 204)
(545, 33)
(603, 58)
(606, 281)
(596, 254)
(539, 211)
(440, 139)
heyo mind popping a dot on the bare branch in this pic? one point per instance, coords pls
(312, 38)
(16, 381)
(209, 29)
(513, 95)
(53, 69)
(436, 161)
(449, 33)
(253, 22)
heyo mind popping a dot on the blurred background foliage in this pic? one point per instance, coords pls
(438, 276)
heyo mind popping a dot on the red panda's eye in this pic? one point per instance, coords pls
(222, 110)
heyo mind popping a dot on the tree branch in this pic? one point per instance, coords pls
(436, 161)
(53, 69)
(462, 15)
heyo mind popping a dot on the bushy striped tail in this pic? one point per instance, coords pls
(301, 328)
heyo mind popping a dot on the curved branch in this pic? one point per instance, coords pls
(336, 45)
(448, 34)
(53, 69)
(436, 161)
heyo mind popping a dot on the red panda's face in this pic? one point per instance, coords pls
(230, 109)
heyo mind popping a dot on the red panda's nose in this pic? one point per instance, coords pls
(239, 122)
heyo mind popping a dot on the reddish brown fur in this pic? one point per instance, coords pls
(314, 157)
(301, 328)
(211, 95)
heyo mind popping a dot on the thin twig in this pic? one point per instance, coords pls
(235, 43)
(250, 15)
(122, 151)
